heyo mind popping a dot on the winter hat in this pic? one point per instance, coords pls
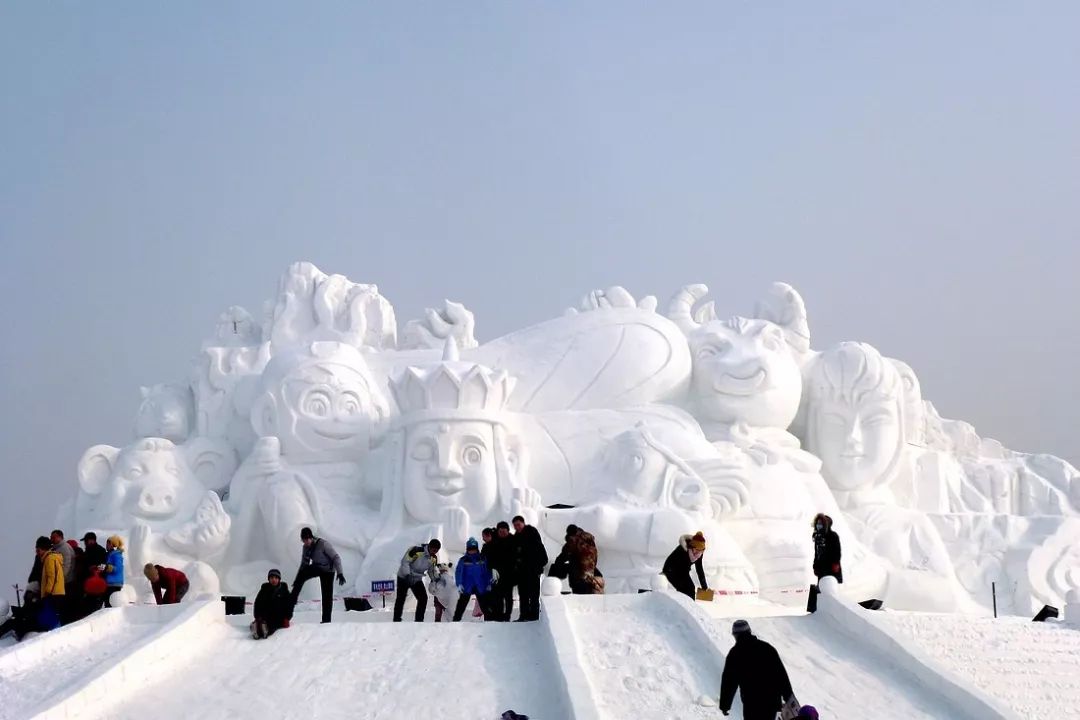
(471, 544)
(739, 627)
(89, 536)
(808, 711)
(698, 542)
(306, 534)
(74, 544)
(274, 572)
(117, 541)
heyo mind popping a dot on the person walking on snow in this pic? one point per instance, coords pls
(529, 566)
(419, 562)
(473, 577)
(273, 607)
(318, 560)
(676, 569)
(170, 585)
(753, 667)
(826, 549)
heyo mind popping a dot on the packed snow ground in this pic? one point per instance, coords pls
(362, 665)
(1032, 667)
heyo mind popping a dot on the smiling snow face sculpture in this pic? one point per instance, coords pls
(744, 370)
(320, 402)
(855, 421)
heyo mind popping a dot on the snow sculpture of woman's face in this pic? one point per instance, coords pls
(855, 422)
(744, 371)
(323, 407)
(450, 464)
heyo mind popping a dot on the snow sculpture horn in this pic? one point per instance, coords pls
(680, 309)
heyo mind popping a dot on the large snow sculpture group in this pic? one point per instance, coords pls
(635, 425)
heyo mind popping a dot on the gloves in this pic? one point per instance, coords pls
(461, 589)
(494, 577)
(285, 623)
(836, 567)
(340, 579)
(725, 712)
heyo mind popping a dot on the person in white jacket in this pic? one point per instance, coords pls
(418, 563)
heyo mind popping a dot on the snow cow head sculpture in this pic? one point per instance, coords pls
(855, 416)
(744, 369)
(166, 411)
(152, 481)
(457, 451)
(320, 401)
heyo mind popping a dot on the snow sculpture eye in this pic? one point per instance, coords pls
(317, 403)
(772, 340)
(471, 455)
(713, 349)
(350, 403)
(423, 451)
(136, 472)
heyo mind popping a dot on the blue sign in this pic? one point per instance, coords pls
(379, 586)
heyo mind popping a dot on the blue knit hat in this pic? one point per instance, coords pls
(471, 544)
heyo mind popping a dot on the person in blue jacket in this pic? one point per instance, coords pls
(473, 577)
(114, 566)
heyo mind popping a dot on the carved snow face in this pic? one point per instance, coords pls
(448, 465)
(634, 467)
(857, 444)
(744, 372)
(165, 412)
(323, 409)
(151, 481)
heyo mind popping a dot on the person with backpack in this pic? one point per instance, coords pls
(473, 578)
(418, 563)
(530, 559)
(318, 560)
(273, 607)
(676, 568)
(753, 667)
(826, 549)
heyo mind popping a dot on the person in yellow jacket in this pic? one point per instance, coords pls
(52, 585)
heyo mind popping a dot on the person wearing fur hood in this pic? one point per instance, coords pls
(690, 551)
(826, 549)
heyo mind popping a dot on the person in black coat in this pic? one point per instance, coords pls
(501, 556)
(826, 549)
(560, 566)
(531, 557)
(676, 569)
(753, 667)
(273, 607)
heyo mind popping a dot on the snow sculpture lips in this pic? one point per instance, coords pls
(730, 383)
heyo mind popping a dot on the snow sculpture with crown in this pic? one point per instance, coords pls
(452, 462)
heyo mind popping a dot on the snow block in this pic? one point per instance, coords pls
(861, 626)
(579, 692)
(151, 659)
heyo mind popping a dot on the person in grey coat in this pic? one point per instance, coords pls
(418, 563)
(319, 560)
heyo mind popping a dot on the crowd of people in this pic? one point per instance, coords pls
(69, 582)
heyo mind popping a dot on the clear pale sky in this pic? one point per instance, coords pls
(912, 168)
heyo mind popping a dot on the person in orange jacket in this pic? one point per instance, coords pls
(52, 584)
(170, 586)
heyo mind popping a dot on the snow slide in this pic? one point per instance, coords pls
(42, 666)
(361, 665)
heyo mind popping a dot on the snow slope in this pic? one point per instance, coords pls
(1033, 667)
(362, 665)
(45, 664)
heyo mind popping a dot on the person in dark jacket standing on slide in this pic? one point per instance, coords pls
(753, 667)
(826, 549)
(677, 566)
(500, 556)
(528, 567)
(319, 560)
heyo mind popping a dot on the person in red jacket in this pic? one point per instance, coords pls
(170, 586)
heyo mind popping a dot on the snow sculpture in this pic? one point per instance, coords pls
(636, 425)
(743, 370)
(163, 497)
(643, 495)
(315, 306)
(452, 461)
(314, 411)
(166, 411)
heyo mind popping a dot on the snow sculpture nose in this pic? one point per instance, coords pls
(157, 501)
(854, 443)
